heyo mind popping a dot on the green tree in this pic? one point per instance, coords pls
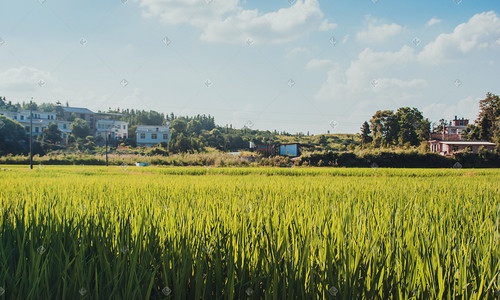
(51, 136)
(489, 117)
(323, 141)
(412, 127)
(80, 128)
(13, 138)
(178, 126)
(384, 125)
(365, 134)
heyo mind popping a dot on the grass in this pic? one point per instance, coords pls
(234, 233)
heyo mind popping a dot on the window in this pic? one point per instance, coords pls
(124, 127)
(48, 117)
(165, 136)
(36, 129)
(64, 126)
(22, 117)
(124, 136)
(27, 129)
(15, 117)
(143, 135)
(154, 136)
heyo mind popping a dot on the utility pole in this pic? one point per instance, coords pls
(31, 133)
(106, 147)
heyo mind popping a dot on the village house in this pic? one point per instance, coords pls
(40, 121)
(150, 135)
(113, 128)
(450, 139)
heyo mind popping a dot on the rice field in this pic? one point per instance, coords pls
(86, 232)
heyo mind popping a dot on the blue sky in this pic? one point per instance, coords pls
(304, 65)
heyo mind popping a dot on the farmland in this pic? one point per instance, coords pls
(248, 233)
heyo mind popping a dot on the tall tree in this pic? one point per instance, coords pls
(384, 125)
(365, 134)
(13, 138)
(489, 117)
(413, 128)
(51, 136)
(80, 128)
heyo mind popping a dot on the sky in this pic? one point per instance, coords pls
(289, 65)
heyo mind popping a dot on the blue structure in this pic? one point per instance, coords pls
(289, 150)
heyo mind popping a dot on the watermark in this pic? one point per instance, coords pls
(457, 82)
(41, 250)
(416, 41)
(166, 41)
(166, 291)
(457, 166)
(333, 291)
(249, 41)
(249, 124)
(333, 40)
(83, 41)
(333, 124)
(82, 291)
(291, 82)
(208, 83)
(124, 82)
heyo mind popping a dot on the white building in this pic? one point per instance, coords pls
(115, 129)
(40, 121)
(151, 135)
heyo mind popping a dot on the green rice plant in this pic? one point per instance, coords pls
(248, 233)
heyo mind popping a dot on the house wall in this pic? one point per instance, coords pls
(146, 135)
(292, 150)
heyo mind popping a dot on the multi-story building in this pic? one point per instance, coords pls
(81, 113)
(450, 139)
(149, 136)
(39, 122)
(115, 129)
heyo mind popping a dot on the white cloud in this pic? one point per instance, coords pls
(297, 50)
(325, 26)
(379, 34)
(198, 13)
(465, 108)
(226, 21)
(314, 64)
(24, 79)
(284, 25)
(346, 38)
(478, 33)
(367, 84)
(433, 21)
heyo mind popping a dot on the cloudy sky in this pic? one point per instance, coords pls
(294, 65)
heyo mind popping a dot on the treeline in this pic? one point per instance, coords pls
(487, 124)
(191, 134)
(400, 159)
(406, 127)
